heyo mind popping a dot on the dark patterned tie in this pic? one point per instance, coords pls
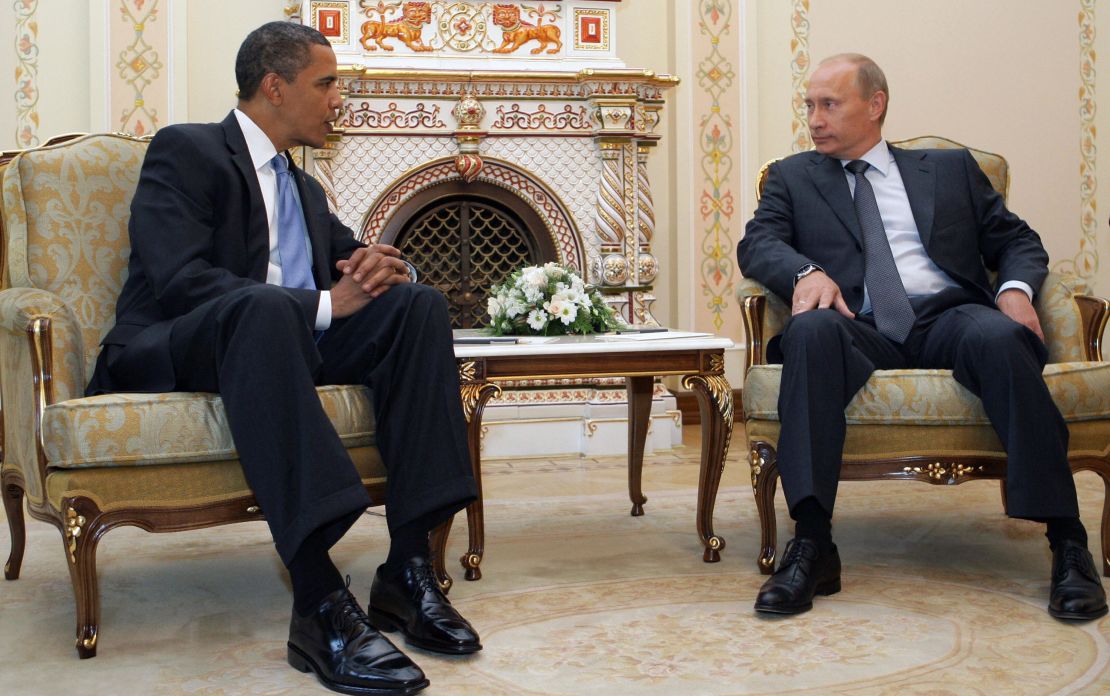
(296, 266)
(894, 316)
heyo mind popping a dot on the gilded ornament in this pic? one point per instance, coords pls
(468, 166)
(614, 269)
(649, 267)
(757, 462)
(939, 471)
(469, 112)
(74, 524)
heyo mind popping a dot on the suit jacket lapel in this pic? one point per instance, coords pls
(828, 176)
(258, 228)
(920, 179)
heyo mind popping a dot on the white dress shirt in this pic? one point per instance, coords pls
(261, 152)
(920, 276)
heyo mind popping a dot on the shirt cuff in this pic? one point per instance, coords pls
(1019, 284)
(323, 311)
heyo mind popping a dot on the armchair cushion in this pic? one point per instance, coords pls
(114, 430)
(1081, 391)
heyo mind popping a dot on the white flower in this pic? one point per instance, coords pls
(533, 277)
(537, 319)
(565, 311)
(532, 294)
(494, 307)
(515, 307)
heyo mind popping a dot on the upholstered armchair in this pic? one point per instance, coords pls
(921, 425)
(162, 462)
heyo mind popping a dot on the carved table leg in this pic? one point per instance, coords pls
(639, 411)
(13, 507)
(715, 406)
(475, 394)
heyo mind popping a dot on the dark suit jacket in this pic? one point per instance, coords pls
(806, 215)
(198, 230)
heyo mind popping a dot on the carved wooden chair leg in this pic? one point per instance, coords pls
(765, 474)
(13, 508)
(437, 542)
(1102, 469)
(82, 527)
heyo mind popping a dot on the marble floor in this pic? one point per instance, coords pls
(942, 595)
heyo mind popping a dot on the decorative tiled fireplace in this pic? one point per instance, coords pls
(481, 136)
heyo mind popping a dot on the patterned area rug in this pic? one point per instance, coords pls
(942, 595)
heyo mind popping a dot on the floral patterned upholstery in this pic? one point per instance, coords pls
(146, 429)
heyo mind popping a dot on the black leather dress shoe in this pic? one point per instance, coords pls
(1076, 592)
(414, 604)
(337, 642)
(803, 573)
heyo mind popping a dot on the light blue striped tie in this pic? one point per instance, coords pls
(296, 266)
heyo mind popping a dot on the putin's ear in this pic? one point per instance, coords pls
(877, 104)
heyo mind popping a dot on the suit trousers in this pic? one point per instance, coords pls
(256, 347)
(828, 357)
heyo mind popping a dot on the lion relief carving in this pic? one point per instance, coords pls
(515, 33)
(410, 26)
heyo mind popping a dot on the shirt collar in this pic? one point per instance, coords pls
(258, 143)
(879, 157)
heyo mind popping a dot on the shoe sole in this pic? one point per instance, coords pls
(824, 590)
(1077, 615)
(303, 663)
(387, 623)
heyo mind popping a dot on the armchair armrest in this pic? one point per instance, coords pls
(40, 363)
(1094, 312)
(24, 309)
(764, 316)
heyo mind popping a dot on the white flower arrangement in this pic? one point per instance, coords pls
(548, 300)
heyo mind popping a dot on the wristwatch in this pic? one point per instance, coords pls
(806, 270)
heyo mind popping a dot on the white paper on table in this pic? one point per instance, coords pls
(654, 336)
(535, 339)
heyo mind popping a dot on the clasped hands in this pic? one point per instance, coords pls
(818, 291)
(368, 273)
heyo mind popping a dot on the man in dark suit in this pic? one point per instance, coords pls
(242, 282)
(883, 256)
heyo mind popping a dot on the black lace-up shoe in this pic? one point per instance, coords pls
(1076, 593)
(413, 603)
(337, 642)
(804, 572)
